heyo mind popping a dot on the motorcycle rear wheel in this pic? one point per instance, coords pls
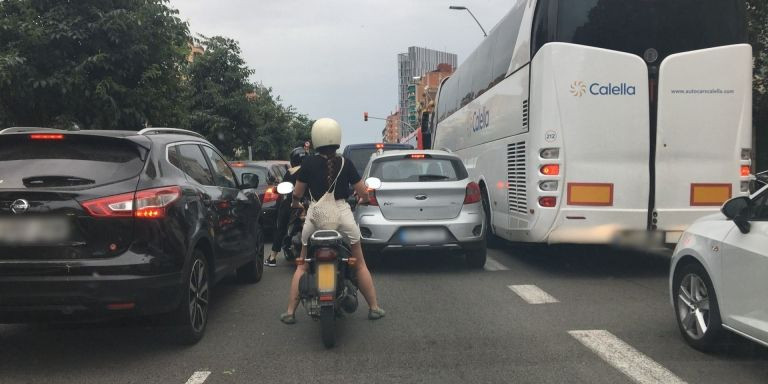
(328, 326)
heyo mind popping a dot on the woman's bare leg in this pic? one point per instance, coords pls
(364, 279)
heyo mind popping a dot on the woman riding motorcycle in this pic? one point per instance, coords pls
(318, 173)
(284, 207)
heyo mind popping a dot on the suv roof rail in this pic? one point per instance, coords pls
(176, 131)
(28, 129)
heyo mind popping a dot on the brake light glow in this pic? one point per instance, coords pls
(418, 156)
(550, 169)
(379, 146)
(745, 170)
(473, 194)
(238, 165)
(326, 254)
(372, 198)
(145, 204)
(548, 201)
(270, 195)
(46, 136)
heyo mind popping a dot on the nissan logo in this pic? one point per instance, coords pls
(19, 206)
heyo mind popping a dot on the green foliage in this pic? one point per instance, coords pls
(758, 36)
(100, 64)
(234, 113)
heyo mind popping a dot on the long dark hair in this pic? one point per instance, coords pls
(333, 162)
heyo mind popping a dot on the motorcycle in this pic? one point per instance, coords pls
(329, 287)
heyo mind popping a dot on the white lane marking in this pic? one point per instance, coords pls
(631, 362)
(492, 265)
(198, 377)
(533, 294)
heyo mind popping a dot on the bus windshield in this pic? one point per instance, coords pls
(636, 26)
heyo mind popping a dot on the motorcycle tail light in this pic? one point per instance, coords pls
(326, 254)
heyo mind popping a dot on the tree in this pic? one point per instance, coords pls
(758, 36)
(222, 101)
(107, 64)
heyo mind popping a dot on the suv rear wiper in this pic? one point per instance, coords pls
(55, 181)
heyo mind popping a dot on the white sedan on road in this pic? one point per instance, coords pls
(719, 274)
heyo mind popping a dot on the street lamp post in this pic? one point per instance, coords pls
(461, 8)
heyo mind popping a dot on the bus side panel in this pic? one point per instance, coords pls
(592, 104)
(483, 145)
(704, 122)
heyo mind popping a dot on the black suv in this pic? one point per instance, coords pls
(101, 223)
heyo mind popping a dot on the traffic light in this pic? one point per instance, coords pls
(365, 116)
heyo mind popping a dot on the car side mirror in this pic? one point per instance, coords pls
(736, 207)
(249, 181)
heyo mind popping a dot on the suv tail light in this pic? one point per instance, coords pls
(148, 203)
(473, 194)
(270, 195)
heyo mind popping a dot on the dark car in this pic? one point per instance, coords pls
(360, 154)
(114, 223)
(270, 173)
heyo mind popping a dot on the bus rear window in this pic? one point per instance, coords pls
(635, 26)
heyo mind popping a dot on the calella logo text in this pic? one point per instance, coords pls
(480, 119)
(579, 88)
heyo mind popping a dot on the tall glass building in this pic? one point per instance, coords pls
(416, 62)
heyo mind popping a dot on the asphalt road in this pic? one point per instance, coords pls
(444, 324)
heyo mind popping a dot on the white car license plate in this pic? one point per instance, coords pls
(34, 230)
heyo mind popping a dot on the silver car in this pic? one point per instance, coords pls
(425, 201)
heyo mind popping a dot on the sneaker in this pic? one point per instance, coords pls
(375, 314)
(271, 261)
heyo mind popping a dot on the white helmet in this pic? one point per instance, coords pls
(326, 132)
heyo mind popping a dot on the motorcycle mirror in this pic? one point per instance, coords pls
(373, 183)
(284, 188)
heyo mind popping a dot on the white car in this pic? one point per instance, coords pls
(719, 274)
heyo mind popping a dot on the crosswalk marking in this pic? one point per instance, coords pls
(533, 294)
(492, 265)
(631, 362)
(198, 377)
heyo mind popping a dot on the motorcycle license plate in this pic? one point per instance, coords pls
(326, 277)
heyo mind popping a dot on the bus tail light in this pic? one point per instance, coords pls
(550, 153)
(548, 186)
(745, 170)
(550, 169)
(548, 201)
(473, 194)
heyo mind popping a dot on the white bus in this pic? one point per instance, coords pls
(594, 121)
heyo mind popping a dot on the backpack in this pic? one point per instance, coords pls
(324, 214)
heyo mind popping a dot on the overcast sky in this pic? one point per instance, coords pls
(338, 58)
